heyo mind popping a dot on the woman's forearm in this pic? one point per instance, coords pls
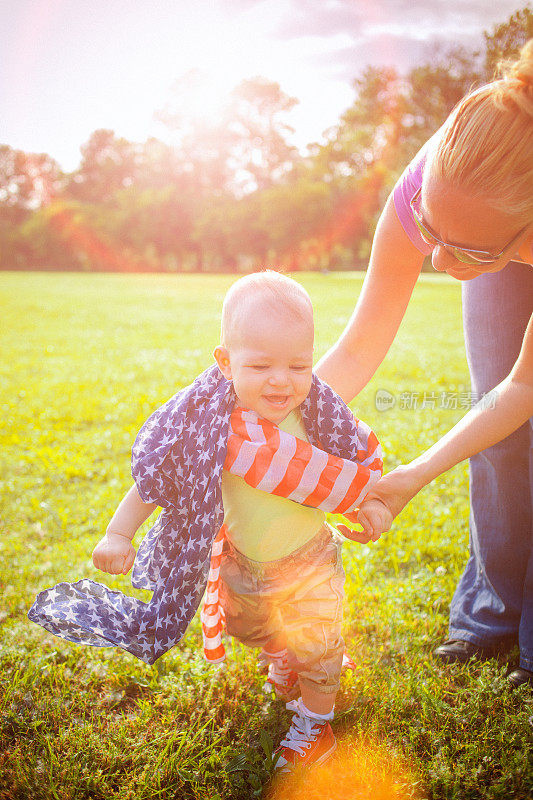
(494, 418)
(498, 415)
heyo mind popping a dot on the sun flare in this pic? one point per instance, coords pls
(203, 94)
(360, 769)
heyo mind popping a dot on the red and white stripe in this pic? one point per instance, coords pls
(278, 463)
(212, 614)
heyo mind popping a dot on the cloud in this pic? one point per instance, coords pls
(402, 52)
(399, 33)
(334, 17)
(239, 5)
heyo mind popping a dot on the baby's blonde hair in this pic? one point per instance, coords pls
(486, 146)
(281, 295)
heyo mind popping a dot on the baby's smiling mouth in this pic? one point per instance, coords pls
(277, 399)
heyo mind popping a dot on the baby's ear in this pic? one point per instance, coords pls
(221, 355)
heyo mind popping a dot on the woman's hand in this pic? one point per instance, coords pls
(397, 488)
(114, 553)
(381, 505)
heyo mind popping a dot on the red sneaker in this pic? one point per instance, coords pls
(308, 741)
(281, 678)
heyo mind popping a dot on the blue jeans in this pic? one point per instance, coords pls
(493, 602)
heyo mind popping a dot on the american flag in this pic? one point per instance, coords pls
(177, 461)
(276, 462)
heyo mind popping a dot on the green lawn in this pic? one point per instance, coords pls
(86, 358)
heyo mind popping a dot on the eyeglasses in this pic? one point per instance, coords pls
(464, 254)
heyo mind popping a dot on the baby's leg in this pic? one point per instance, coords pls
(276, 643)
(317, 702)
(312, 619)
(252, 622)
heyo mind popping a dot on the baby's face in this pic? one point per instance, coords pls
(270, 362)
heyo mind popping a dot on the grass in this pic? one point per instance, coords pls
(88, 358)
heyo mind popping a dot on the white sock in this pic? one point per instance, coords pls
(313, 715)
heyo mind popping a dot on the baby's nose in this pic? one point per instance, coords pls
(278, 377)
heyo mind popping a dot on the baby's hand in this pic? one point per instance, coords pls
(373, 516)
(361, 536)
(114, 554)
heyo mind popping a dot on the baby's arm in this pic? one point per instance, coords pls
(115, 553)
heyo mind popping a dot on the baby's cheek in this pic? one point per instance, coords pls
(306, 385)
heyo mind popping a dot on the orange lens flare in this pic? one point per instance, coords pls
(360, 770)
(82, 240)
(349, 222)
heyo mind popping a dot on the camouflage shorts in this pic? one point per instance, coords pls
(299, 596)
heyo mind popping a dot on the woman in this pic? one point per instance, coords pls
(467, 198)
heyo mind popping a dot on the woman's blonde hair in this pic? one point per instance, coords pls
(486, 146)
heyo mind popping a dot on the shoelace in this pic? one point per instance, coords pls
(303, 730)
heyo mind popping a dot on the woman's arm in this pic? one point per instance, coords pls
(394, 267)
(494, 418)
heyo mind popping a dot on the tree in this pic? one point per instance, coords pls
(157, 220)
(108, 164)
(199, 134)
(239, 147)
(369, 131)
(290, 214)
(260, 153)
(221, 232)
(70, 235)
(507, 38)
(435, 89)
(231, 189)
(27, 180)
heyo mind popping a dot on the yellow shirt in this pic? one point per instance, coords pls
(263, 526)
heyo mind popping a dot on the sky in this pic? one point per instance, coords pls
(70, 67)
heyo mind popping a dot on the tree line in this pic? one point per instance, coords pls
(232, 193)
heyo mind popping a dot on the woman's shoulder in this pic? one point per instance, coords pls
(405, 189)
(407, 185)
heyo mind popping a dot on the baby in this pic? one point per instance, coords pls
(281, 574)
